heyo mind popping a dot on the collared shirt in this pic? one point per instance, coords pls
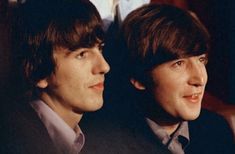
(63, 136)
(176, 142)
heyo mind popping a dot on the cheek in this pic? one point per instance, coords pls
(72, 68)
(168, 84)
(162, 94)
(167, 89)
(67, 76)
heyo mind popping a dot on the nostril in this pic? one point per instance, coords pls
(197, 81)
(198, 85)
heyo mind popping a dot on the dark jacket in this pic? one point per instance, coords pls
(210, 134)
(22, 132)
(121, 137)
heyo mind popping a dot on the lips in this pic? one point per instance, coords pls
(99, 86)
(194, 98)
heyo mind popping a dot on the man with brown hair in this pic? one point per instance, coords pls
(168, 49)
(58, 51)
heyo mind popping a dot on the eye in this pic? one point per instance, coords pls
(81, 55)
(101, 46)
(203, 59)
(178, 63)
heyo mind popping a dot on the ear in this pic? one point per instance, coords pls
(137, 84)
(42, 83)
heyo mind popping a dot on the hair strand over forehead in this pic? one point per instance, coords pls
(155, 34)
(41, 26)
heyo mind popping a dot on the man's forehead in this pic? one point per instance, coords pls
(98, 43)
(191, 55)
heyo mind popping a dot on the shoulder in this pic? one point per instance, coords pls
(23, 131)
(211, 125)
(212, 133)
(121, 136)
(210, 121)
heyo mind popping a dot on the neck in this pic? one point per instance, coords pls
(66, 112)
(169, 127)
(163, 119)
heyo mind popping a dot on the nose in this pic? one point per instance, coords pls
(198, 75)
(101, 65)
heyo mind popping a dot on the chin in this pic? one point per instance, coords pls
(192, 116)
(95, 106)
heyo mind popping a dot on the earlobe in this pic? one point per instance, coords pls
(137, 84)
(42, 83)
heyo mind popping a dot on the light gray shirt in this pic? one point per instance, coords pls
(175, 142)
(63, 136)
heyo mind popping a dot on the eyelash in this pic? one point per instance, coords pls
(82, 54)
(203, 60)
(101, 47)
(178, 63)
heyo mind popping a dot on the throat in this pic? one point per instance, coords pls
(167, 122)
(169, 127)
(66, 113)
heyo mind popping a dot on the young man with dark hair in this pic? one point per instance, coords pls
(58, 49)
(168, 49)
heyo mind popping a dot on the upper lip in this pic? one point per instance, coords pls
(193, 94)
(100, 83)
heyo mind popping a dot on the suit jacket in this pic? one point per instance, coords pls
(23, 132)
(210, 134)
(109, 133)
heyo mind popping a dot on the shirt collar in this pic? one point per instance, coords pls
(62, 135)
(182, 133)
